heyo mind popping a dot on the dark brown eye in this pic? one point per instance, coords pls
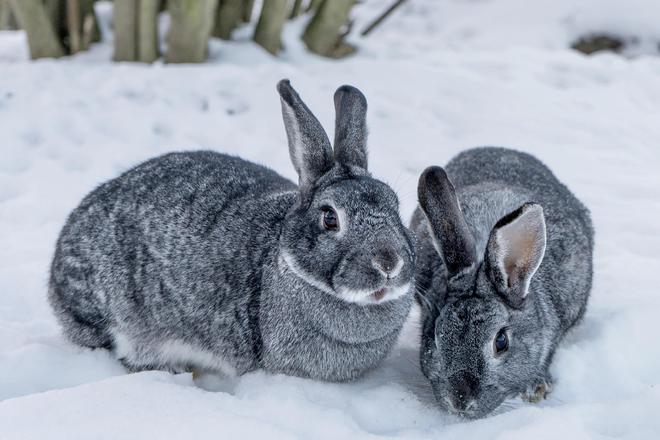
(501, 342)
(330, 220)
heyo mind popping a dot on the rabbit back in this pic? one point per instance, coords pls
(522, 173)
(157, 262)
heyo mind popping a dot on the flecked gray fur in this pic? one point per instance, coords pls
(203, 260)
(466, 306)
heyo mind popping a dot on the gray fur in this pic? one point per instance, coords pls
(303, 130)
(203, 260)
(351, 127)
(517, 214)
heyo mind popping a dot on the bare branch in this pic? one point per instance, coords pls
(382, 17)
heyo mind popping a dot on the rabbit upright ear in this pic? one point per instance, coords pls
(451, 236)
(515, 250)
(350, 127)
(309, 145)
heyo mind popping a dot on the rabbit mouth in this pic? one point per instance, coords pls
(373, 297)
(385, 294)
(379, 294)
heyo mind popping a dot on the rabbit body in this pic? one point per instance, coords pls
(512, 214)
(203, 260)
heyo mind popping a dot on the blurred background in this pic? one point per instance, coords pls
(89, 89)
(178, 31)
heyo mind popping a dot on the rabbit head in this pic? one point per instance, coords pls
(344, 235)
(481, 343)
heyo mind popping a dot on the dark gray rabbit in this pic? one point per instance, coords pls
(203, 260)
(504, 268)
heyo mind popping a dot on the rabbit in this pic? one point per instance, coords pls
(206, 262)
(504, 270)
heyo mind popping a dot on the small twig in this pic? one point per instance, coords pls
(382, 17)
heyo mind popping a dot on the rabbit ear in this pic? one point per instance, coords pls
(450, 232)
(350, 127)
(515, 250)
(309, 145)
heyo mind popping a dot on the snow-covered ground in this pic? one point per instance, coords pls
(440, 76)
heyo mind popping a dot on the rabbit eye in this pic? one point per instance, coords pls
(330, 220)
(501, 342)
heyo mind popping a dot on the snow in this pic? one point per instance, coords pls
(440, 76)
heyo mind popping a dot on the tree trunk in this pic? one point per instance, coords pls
(56, 14)
(247, 10)
(4, 15)
(227, 18)
(42, 40)
(323, 34)
(87, 31)
(269, 28)
(86, 9)
(314, 5)
(147, 43)
(74, 25)
(74, 22)
(296, 9)
(190, 28)
(136, 30)
(7, 19)
(125, 23)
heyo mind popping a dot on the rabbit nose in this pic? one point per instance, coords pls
(387, 262)
(464, 386)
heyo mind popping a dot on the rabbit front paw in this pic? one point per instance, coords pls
(537, 391)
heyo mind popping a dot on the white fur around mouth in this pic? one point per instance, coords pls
(380, 296)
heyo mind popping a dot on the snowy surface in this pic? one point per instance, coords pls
(440, 76)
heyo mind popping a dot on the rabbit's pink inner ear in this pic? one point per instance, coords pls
(516, 248)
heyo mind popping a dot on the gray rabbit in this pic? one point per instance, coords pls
(504, 268)
(205, 261)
